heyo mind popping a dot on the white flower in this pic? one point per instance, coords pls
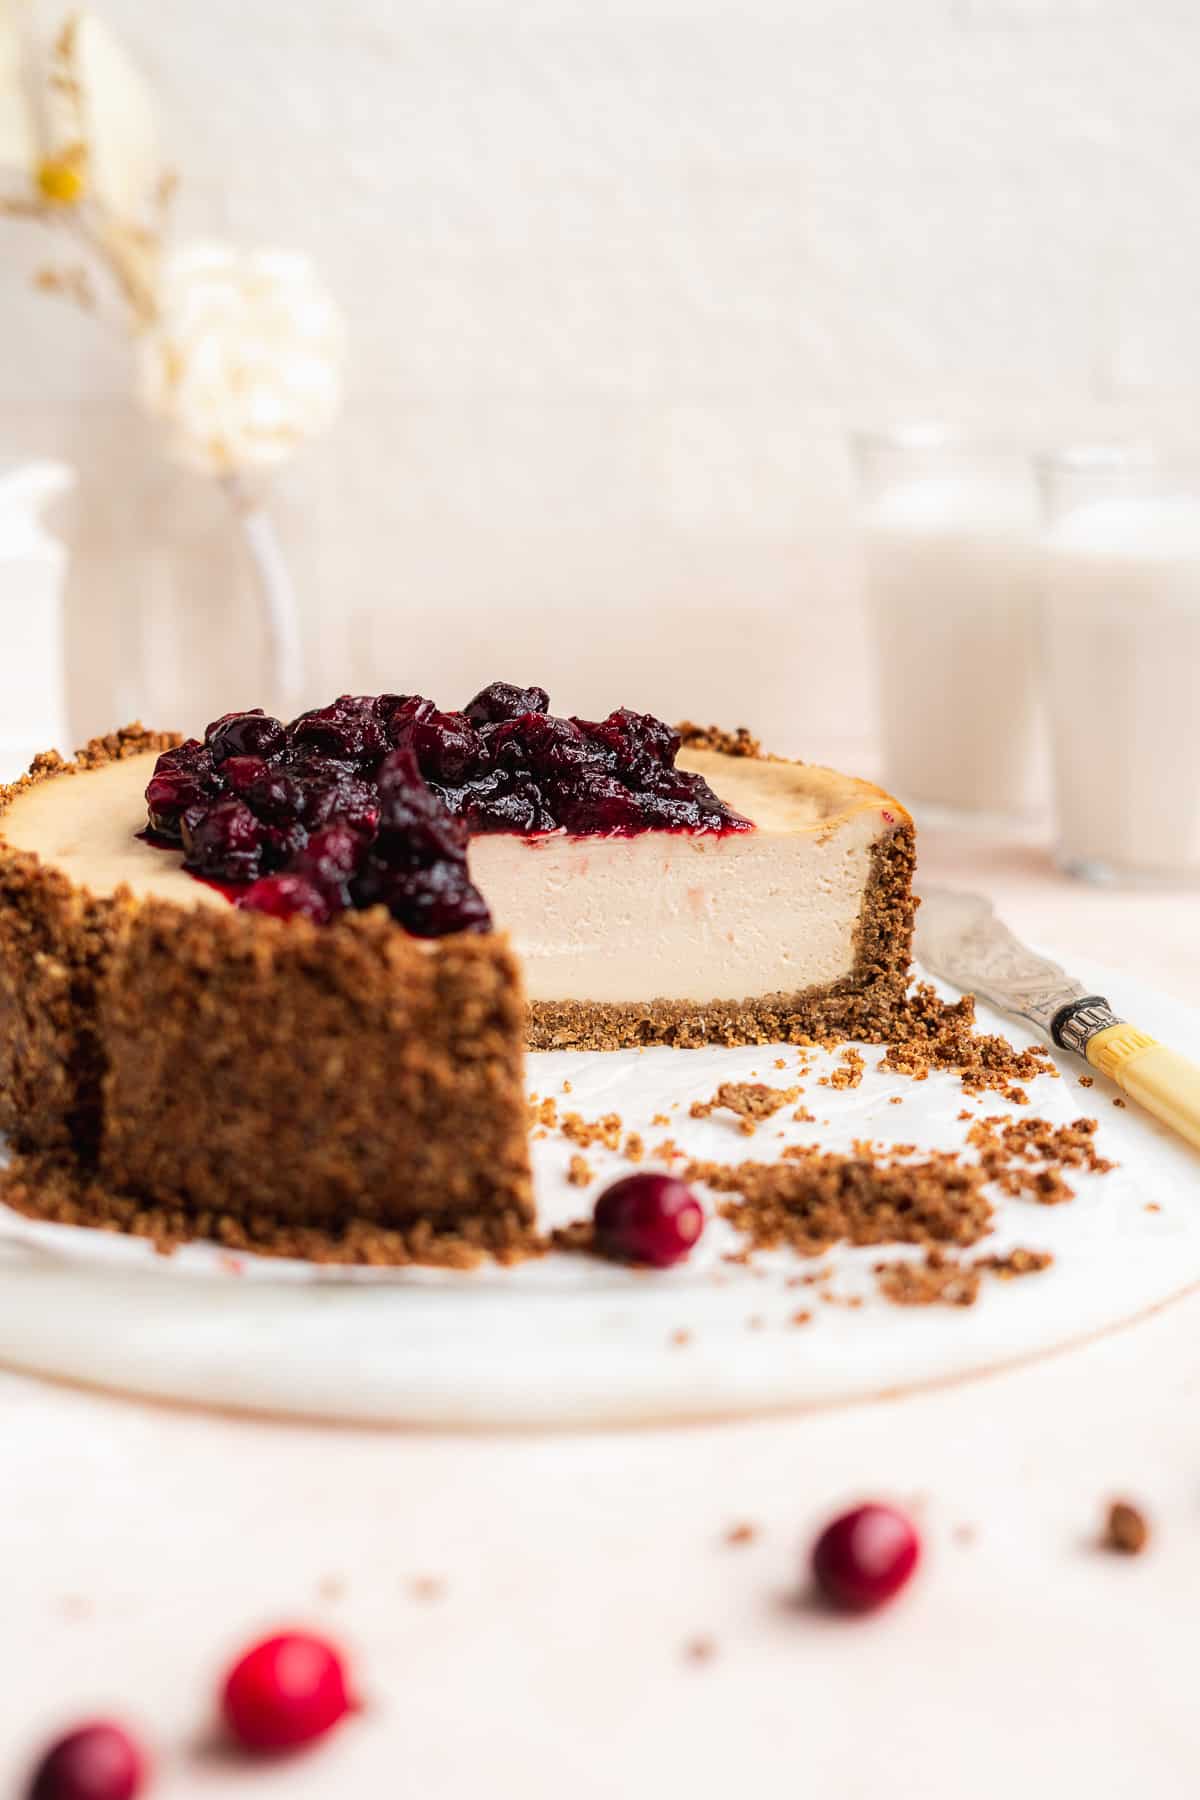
(244, 361)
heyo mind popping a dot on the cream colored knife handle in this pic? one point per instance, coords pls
(1161, 1080)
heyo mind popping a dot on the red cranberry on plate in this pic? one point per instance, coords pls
(284, 1692)
(646, 1218)
(864, 1557)
(96, 1761)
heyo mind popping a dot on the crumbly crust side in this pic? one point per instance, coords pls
(864, 1005)
(55, 1188)
(313, 1074)
(54, 944)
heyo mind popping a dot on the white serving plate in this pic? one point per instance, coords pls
(570, 1341)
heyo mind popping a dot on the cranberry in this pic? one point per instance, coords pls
(501, 700)
(286, 1691)
(864, 1557)
(226, 843)
(646, 1218)
(348, 730)
(244, 734)
(97, 1761)
(596, 803)
(447, 747)
(243, 773)
(331, 855)
(289, 897)
(399, 714)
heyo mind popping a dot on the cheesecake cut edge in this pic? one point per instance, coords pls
(863, 1004)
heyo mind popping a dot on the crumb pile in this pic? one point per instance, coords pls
(932, 1033)
(814, 1198)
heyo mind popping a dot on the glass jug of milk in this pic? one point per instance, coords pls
(949, 531)
(32, 577)
(1122, 634)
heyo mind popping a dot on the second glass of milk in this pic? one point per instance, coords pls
(1122, 630)
(950, 538)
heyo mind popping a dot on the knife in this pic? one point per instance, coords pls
(960, 938)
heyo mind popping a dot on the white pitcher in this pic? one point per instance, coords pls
(33, 566)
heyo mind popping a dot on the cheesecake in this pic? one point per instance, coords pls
(276, 983)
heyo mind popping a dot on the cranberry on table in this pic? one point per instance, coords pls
(284, 1692)
(645, 1218)
(96, 1761)
(864, 1557)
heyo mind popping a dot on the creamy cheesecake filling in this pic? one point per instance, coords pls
(658, 915)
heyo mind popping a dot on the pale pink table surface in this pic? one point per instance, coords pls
(140, 1544)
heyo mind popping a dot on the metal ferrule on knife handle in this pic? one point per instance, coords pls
(1077, 1024)
(1165, 1083)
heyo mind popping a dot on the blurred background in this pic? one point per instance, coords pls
(617, 281)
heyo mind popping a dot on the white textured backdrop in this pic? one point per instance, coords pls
(618, 278)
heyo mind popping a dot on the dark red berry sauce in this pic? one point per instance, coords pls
(372, 800)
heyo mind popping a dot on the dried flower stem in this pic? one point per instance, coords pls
(277, 594)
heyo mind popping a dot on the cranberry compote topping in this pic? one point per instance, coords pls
(286, 1691)
(864, 1557)
(98, 1761)
(644, 1218)
(372, 800)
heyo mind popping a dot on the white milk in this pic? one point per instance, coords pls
(32, 575)
(953, 577)
(1123, 639)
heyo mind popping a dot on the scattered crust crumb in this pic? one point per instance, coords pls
(1015, 1264)
(750, 1100)
(543, 1112)
(741, 1533)
(567, 1088)
(667, 1151)
(1027, 1156)
(586, 1132)
(680, 1336)
(699, 1650)
(1087, 1081)
(803, 1317)
(1126, 1529)
(780, 1062)
(941, 1280)
(896, 1100)
(937, 1281)
(427, 1587)
(1119, 1102)
(851, 1072)
(579, 1171)
(634, 1149)
(802, 1116)
(331, 1587)
(660, 1119)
